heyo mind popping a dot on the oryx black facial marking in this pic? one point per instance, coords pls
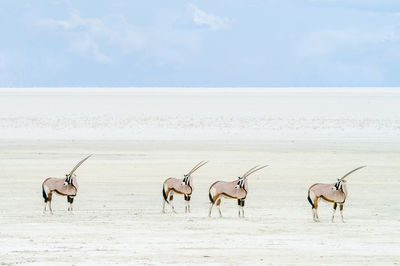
(338, 185)
(186, 180)
(68, 180)
(240, 183)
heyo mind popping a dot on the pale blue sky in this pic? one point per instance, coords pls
(200, 43)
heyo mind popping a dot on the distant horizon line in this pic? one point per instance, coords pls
(196, 87)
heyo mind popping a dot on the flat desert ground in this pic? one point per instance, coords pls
(141, 137)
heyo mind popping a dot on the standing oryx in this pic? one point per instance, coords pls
(67, 186)
(181, 186)
(235, 190)
(335, 193)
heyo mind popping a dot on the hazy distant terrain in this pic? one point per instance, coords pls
(137, 114)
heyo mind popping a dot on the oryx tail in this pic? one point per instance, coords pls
(309, 200)
(44, 194)
(164, 195)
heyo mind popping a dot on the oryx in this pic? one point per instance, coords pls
(336, 193)
(67, 186)
(235, 190)
(181, 186)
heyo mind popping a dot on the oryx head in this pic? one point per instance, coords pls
(68, 179)
(185, 180)
(240, 183)
(342, 181)
(339, 184)
(242, 179)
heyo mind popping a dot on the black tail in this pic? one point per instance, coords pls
(44, 195)
(211, 199)
(310, 201)
(165, 195)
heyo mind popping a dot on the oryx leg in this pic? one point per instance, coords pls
(163, 205)
(210, 210)
(70, 201)
(218, 203)
(241, 207)
(187, 200)
(334, 210)
(46, 199)
(341, 212)
(315, 213)
(51, 210)
(171, 200)
(49, 196)
(165, 197)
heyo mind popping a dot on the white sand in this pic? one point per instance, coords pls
(118, 219)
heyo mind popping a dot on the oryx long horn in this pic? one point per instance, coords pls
(248, 171)
(255, 170)
(200, 164)
(352, 171)
(79, 164)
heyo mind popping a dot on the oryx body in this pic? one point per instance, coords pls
(67, 186)
(180, 186)
(335, 193)
(236, 189)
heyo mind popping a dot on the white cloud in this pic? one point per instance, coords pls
(101, 37)
(88, 33)
(84, 42)
(202, 18)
